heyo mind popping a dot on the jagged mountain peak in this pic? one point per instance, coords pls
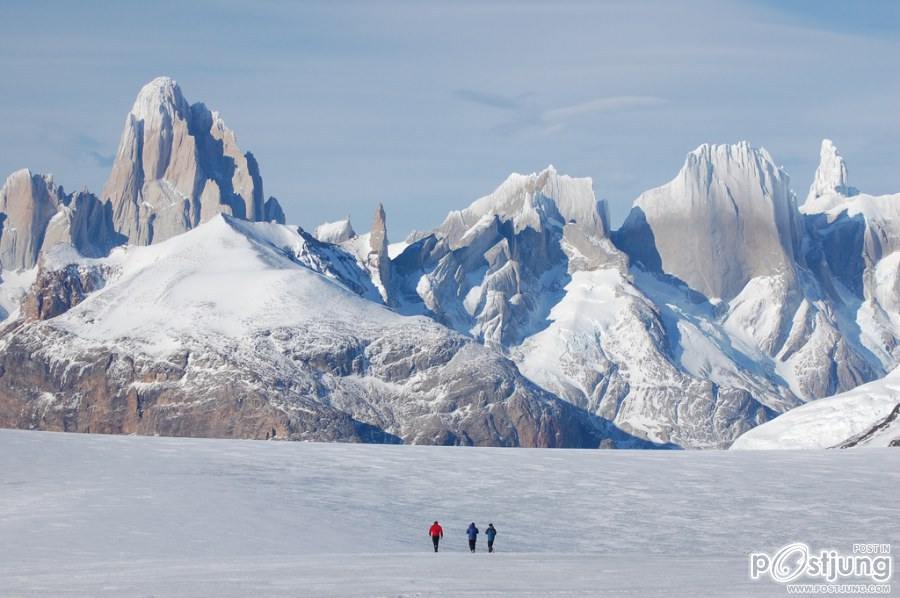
(830, 185)
(714, 173)
(177, 166)
(218, 121)
(23, 187)
(17, 174)
(528, 270)
(726, 217)
(831, 175)
(369, 250)
(159, 97)
(732, 164)
(163, 82)
(742, 151)
(26, 176)
(532, 201)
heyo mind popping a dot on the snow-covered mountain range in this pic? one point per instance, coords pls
(178, 302)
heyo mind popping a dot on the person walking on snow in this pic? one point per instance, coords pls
(436, 532)
(490, 533)
(472, 532)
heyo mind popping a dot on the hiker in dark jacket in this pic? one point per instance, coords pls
(472, 532)
(490, 533)
(436, 532)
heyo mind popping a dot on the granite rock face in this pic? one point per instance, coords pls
(27, 204)
(85, 223)
(377, 259)
(741, 214)
(495, 268)
(783, 281)
(177, 166)
(35, 213)
(103, 391)
(56, 290)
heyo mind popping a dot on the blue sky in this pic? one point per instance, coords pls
(427, 106)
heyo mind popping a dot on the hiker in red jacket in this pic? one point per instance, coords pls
(436, 532)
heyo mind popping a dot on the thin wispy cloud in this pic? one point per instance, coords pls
(91, 148)
(105, 160)
(489, 99)
(838, 16)
(77, 147)
(607, 104)
(549, 120)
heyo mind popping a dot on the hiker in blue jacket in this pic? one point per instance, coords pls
(490, 533)
(472, 532)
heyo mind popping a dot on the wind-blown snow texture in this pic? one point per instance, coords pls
(85, 515)
(522, 319)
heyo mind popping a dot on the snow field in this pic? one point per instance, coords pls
(84, 515)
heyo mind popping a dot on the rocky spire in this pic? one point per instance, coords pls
(27, 204)
(378, 260)
(830, 185)
(177, 166)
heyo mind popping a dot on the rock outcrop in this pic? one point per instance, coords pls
(272, 211)
(335, 232)
(85, 223)
(57, 289)
(36, 214)
(27, 204)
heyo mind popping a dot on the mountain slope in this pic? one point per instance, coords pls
(783, 309)
(865, 416)
(530, 270)
(220, 332)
